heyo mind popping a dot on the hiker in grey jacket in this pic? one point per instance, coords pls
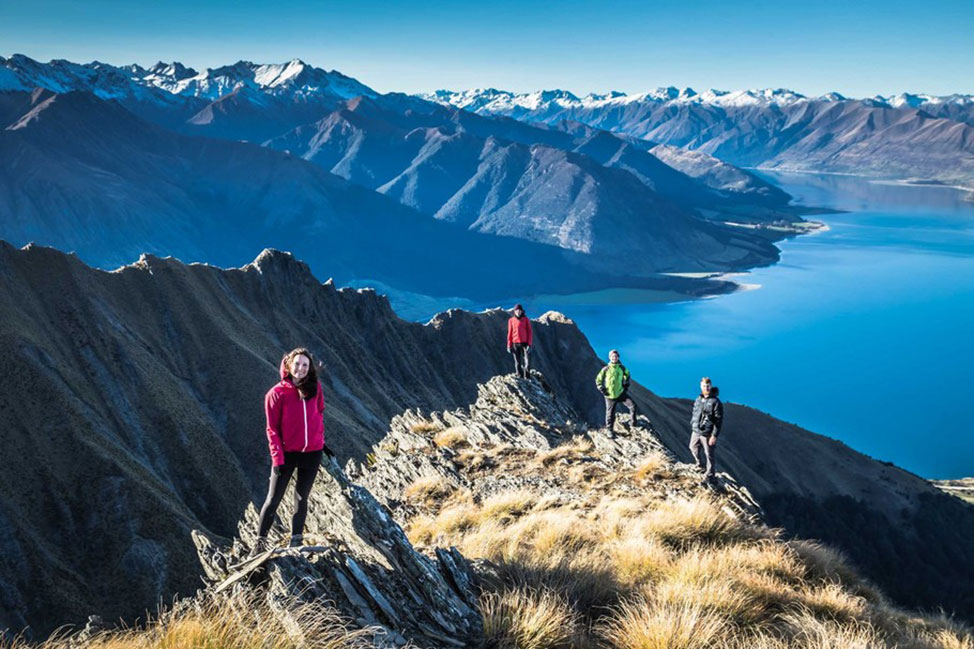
(705, 422)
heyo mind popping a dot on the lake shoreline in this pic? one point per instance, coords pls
(904, 182)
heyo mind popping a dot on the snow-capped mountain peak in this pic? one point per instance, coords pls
(295, 78)
(493, 100)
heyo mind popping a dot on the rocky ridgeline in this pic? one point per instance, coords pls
(477, 448)
(361, 561)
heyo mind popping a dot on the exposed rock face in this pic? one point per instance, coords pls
(361, 563)
(512, 414)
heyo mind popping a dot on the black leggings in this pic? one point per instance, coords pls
(307, 465)
(522, 361)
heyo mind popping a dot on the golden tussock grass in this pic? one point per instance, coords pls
(240, 621)
(577, 447)
(428, 490)
(523, 618)
(645, 571)
(653, 466)
(640, 624)
(452, 437)
(422, 427)
(695, 521)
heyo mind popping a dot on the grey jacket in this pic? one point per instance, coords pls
(708, 414)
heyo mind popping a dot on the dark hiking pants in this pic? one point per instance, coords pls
(698, 441)
(610, 409)
(521, 359)
(306, 465)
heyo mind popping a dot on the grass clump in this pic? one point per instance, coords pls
(640, 624)
(428, 490)
(578, 447)
(654, 466)
(523, 618)
(242, 620)
(452, 437)
(424, 427)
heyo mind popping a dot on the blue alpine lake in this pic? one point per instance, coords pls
(862, 332)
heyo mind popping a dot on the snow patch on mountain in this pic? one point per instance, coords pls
(500, 101)
(293, 79)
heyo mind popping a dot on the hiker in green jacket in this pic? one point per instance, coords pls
(613, 383)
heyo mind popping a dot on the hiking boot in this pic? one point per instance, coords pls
(297, 541)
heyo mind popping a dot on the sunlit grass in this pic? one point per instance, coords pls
(239, 621)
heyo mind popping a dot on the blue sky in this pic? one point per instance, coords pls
(856, 47)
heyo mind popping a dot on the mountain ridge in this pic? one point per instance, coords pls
(905, 136)
(481, 98)
(157, 373)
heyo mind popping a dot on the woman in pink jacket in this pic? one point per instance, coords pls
(296, 437)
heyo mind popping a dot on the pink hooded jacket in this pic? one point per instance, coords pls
(293, 424)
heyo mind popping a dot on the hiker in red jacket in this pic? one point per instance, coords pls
(296, 436)
(519, 338)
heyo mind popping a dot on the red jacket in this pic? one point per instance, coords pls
(518, 330)
(293, 424)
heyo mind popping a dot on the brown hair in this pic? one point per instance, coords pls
(308, 387)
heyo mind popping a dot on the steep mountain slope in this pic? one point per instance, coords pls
(595, 194)
(392, 113)
(20, 73)
(778, 129)
(132, 402)
(720, 175)
(84, 174)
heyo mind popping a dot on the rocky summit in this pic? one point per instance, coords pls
(511, 416)
(360, 561)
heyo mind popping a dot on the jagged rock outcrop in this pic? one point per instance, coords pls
(513, 414)
(362, 564)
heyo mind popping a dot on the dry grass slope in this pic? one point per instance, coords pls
(239, 621)
(627, 562)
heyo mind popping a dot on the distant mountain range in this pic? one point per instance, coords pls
(902, 136)
(213, 166)
(494, 100)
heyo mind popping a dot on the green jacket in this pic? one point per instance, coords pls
(613, 379)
